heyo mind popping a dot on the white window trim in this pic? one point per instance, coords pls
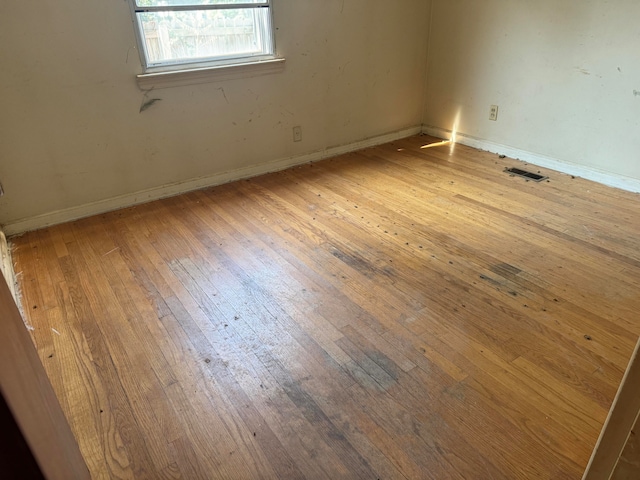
(189, 73)
(193, 76)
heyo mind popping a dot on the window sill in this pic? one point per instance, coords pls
(177, 78)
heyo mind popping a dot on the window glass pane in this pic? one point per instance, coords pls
(180, 3)
(195, 35)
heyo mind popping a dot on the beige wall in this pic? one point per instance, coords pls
(565, 74)
(70, 128)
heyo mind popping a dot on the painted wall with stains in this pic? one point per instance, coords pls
(71, 129)
(564, 73)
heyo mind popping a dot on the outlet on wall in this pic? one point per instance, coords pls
(297, 134)
(493, 112)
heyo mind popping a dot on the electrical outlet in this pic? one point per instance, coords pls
(297, 134)
(493, 113)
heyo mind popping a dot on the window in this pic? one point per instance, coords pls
(196, 34)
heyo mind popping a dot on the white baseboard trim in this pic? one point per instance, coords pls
(156, 193)
(610, 179)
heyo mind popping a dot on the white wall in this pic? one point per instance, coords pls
(70, 128)
(563, 73)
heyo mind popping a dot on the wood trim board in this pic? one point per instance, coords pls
(618, 425)
(31, 399)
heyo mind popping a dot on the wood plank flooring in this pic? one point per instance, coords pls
(392, 313)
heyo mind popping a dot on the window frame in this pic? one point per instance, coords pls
(200, 64)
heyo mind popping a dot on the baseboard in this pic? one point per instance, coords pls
(123, 201)
(610, 179)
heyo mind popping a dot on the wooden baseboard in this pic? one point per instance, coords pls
(606, 178)
(128, 200)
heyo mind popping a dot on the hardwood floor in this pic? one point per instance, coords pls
(393, 313)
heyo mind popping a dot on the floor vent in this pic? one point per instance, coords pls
(523, 173)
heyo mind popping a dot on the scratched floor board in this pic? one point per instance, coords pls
(236, 313)
(532, 202)
(589, 368)
(548, 296)
(446, 213)
(393, 313)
